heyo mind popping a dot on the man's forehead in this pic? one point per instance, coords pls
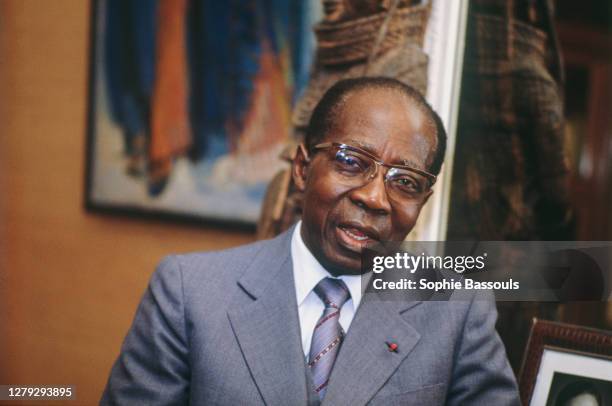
(361, 104)
(386, 121)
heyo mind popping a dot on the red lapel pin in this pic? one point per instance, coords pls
(392, 346)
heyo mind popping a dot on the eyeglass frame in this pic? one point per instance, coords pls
(325, 145)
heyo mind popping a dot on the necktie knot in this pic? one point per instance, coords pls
(333, 292)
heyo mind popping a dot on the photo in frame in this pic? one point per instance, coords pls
(565, 364)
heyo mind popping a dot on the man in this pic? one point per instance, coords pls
(284, 321)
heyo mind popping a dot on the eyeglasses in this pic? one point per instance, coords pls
(356, 167)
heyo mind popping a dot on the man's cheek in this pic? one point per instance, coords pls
(404, 223)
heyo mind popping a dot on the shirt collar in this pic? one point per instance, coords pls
(308, 272)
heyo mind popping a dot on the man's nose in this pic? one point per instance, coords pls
(373, 195)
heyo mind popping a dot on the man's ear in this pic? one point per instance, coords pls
(299, 168)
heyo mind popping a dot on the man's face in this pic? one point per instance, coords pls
(339, 221)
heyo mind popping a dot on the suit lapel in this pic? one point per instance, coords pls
(365, 363)
(266, 325)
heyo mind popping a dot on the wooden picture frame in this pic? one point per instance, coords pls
(548, 340)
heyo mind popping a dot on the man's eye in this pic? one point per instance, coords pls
(349, 162)
(407, 184)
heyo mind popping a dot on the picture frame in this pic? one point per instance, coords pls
(565, 360)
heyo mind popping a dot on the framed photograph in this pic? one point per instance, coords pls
(566, 365)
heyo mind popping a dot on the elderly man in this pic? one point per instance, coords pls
(284, 321)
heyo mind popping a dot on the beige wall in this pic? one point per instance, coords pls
(70, 280)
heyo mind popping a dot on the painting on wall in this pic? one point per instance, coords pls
(190, 103)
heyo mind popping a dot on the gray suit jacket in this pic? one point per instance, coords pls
(222, 328)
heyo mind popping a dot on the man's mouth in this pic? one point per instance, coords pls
(355, 236)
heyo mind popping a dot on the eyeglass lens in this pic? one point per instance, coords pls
(358, 169)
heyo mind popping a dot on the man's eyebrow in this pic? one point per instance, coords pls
(412, 164)
(370, 148)
(363, 145)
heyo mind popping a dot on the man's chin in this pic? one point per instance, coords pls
(344, 264)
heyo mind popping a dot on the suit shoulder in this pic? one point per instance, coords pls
(222, 266)
(203, 261)
(232, 255)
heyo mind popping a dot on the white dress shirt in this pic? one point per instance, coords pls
(307, 273)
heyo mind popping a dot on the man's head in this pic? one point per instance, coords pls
(346, 206)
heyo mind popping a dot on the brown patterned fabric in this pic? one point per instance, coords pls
(351, 41)
(510, 172)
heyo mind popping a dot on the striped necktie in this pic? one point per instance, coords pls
(328, 334)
